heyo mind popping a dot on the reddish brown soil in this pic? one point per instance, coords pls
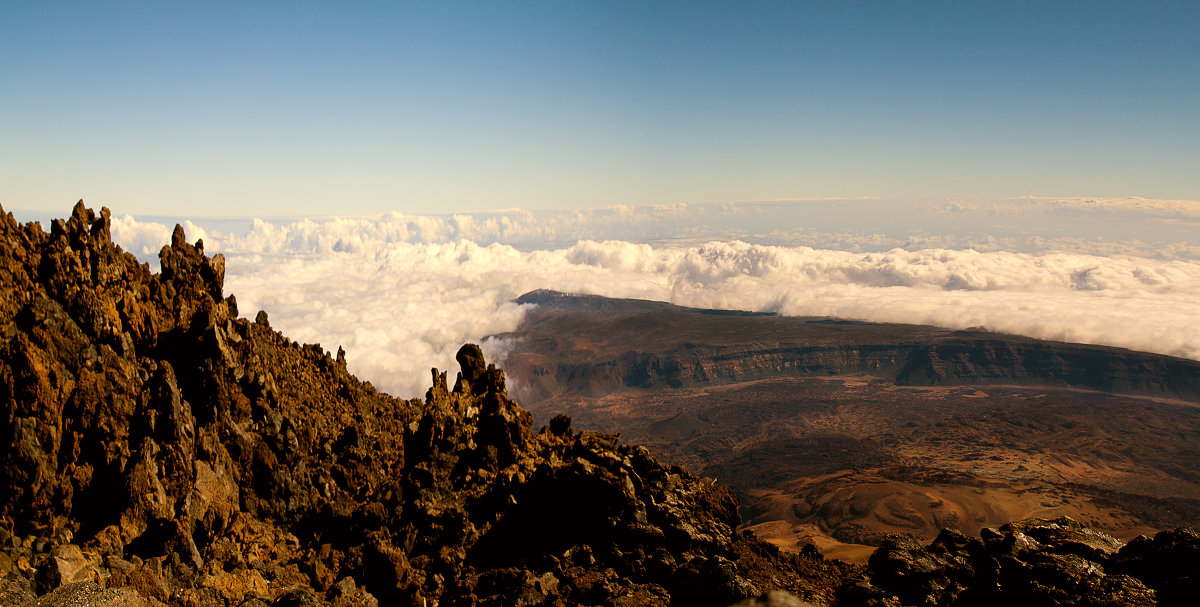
(811, 422)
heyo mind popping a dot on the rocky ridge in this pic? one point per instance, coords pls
(159, 442)
(163, 450)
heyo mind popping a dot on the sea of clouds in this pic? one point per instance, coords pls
(402, 292)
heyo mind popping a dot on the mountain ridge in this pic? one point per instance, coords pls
(924, 355)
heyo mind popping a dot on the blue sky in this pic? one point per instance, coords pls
(316, 108)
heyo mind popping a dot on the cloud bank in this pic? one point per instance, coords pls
(401, 293)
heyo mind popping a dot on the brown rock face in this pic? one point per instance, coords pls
(162, 445)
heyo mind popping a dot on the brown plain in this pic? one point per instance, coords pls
(837, 433)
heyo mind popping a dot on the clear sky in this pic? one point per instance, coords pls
(250, 108)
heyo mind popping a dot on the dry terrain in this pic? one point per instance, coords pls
(836, 433)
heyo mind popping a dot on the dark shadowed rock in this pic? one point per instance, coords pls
(560, 424)
(470, 359)
(1035, 562)
(1168, 563)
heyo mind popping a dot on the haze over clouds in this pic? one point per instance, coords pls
(1136, 226)
(402, 292)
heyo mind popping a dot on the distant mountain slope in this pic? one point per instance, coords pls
(837, 432)
(689, 347)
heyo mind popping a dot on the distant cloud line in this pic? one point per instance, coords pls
(1102, 226)
(401, 293)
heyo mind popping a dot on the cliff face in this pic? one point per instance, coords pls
(656, 345)
(967, 358)
(951, 360)
(160, 443)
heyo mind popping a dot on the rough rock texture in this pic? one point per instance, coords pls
(774, 598)
(1034, 562)
(162, 445)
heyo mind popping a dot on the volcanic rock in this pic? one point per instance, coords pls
(1031, 562)
(161, 445)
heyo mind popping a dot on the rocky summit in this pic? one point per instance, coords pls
(164, 450)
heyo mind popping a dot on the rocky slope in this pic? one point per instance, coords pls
(158, 442)
(162, 450)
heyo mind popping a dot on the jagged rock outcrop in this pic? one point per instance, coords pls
(161, 445)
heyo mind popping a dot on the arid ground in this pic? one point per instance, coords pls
(837, 433)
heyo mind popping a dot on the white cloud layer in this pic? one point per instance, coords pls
(402, 293)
